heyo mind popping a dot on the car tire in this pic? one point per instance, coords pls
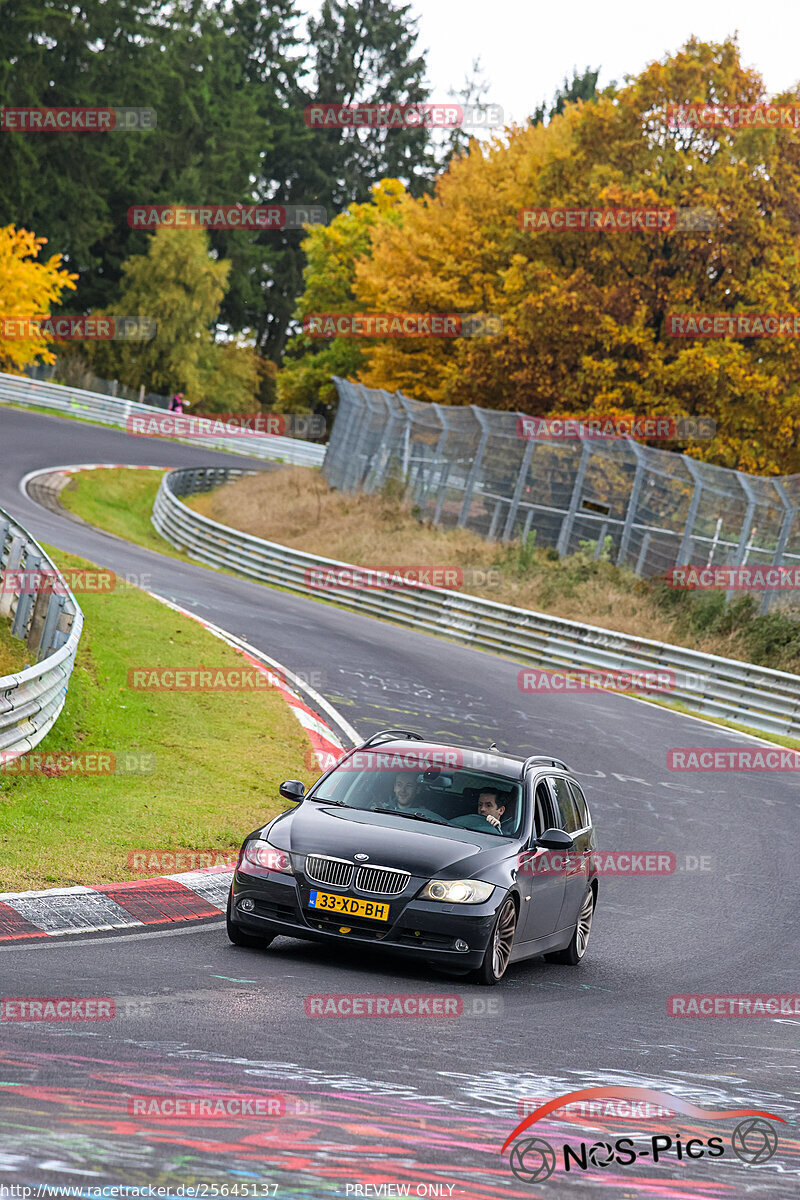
(239, 937)
(498, 952)
(572, 954)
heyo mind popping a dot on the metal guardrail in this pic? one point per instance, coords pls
(93, 406)
(725, 688)
(45, 614)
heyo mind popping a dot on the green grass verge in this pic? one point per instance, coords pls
(14, 654)
(121, 501)
(217, 757)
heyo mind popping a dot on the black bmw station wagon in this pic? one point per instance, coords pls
(468, 859)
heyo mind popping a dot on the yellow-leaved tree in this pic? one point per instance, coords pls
(28, 288)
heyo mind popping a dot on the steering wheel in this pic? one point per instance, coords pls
(475, 822)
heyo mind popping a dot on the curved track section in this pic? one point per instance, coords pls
(417, 1102)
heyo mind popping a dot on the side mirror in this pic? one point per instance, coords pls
(292, 789)
(554, 839)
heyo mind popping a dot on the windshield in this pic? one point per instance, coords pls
(462, 799)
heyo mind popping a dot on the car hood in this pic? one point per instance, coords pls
(388, 840)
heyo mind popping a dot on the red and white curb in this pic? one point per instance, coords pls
(167, 899)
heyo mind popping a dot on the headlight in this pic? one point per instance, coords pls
(457, 891)
(261, 854)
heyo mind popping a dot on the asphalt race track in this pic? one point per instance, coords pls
(427, 1101)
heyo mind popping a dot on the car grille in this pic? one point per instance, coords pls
(329, 870)
(381, 881)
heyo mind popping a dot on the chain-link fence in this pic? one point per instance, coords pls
(644, 508)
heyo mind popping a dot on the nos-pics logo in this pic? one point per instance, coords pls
(533, 1159)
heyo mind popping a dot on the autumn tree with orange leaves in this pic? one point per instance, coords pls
(584, 312)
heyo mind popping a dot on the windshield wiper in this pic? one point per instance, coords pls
(412, 816)
(322, 800)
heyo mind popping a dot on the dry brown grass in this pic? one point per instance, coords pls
(294, 506)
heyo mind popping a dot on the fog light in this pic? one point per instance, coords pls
(246, 905)
(461, 945)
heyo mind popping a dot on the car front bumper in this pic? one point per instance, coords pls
(419, 928)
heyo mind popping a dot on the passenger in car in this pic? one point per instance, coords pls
(404, 792)
(491, 807)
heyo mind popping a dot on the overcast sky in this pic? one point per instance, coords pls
(527, 48)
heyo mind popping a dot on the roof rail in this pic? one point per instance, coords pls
(543, 760)
(391, 735)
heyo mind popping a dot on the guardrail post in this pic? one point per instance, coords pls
(12, 564)
(55, 608)
(633, 503)
(472, 478)
(518, 486)
(25, 599)
(565, 533)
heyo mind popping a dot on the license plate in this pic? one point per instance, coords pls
(349, 905)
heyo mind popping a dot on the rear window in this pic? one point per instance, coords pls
(580, 803)
(568, 819)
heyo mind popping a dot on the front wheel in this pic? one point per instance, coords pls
(574, 952)
(239, 937)
(498, 952)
